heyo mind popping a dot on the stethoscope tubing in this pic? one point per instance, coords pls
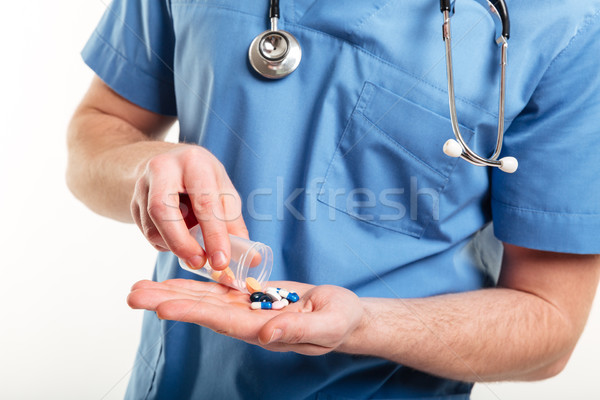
(468, 154)
(459, 147)
(275, 54)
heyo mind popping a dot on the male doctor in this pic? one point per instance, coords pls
(339, 168)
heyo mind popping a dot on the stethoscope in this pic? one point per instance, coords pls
(275, 54)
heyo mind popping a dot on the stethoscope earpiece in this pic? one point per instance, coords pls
(508, 164)
(274, 54)
(453, 149)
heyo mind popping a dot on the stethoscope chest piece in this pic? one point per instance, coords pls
(275, 54)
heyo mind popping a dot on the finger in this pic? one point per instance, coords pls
(163, 211)
(134, 209)
(232, 205)
(318, 328)
(300, 348)
(197, 286)
(142, 284)
(160, 248)
(255, 258)
(204, 194)
(150, 298)
(184, 286)
(237, 322)
(138, 207)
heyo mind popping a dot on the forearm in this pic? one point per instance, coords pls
(106, 156)
(485, 335)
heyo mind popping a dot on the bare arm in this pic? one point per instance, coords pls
(121, 168)
(525, 329)
(110, 140)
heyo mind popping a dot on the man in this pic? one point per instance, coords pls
(339, 168)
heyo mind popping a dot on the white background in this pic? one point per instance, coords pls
(66, 331)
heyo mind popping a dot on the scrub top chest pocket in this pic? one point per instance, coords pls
(388, 169)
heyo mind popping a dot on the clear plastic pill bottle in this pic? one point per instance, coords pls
(248, 260)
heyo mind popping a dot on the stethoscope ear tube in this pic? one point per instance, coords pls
(274, 9)
(502, 12)
(446, 5)
(458, 147)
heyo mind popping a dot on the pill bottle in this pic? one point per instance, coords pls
(248, 260)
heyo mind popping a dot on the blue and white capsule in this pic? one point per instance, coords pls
(261, 305)
(291, 296)
(274, 293)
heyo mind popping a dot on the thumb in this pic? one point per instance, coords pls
(287, 327)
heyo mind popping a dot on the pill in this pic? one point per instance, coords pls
(265, 298)
(255, 296)
(216, 275)
(278, 305)
(291, 296)
(227, 277)
(261, 306)
(272, 298)
(252, 285)
(273, 293)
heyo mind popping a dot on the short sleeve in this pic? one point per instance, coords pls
(552, 202)
(132, 49)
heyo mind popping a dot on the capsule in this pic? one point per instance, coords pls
(273, 293)
(291, 296)
(278, 305)
(261, 306)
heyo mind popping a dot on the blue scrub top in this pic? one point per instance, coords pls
(340, 165)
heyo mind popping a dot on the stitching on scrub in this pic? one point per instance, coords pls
(153, 379)
(130, 62)
(307, 11)
(293, 12)
(530, 210)
(402, 148)
(587, 23)
(367, 18)
(416, 234)
(346, 128)
(364, 99)
(141, 354)
(188, 4)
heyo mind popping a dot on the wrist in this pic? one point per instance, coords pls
(359, 340)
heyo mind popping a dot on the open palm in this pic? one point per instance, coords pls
(318, 323)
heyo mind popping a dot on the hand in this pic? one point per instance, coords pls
(215, 205)
(321, 321)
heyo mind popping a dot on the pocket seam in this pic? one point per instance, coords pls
(364, 98)
(416, 234)
(402, 148)
(364, 101)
